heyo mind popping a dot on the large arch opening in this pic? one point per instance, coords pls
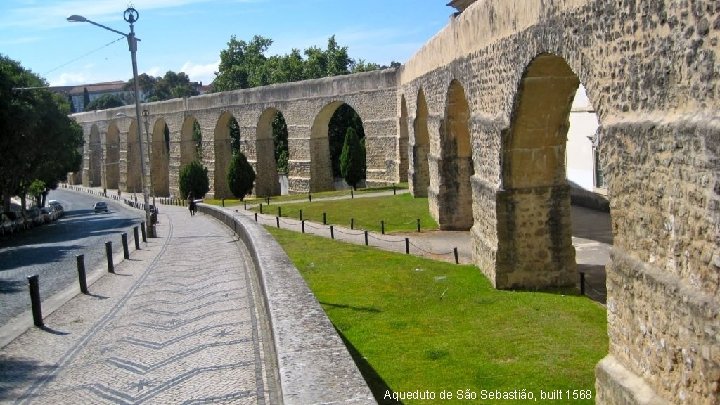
(223, 153)
(112, 157)
(455, 164)
(271, 152)
(190, 141)
(95, 156)
(160, 159)
(535, 247)
(326, 142)
(132, 181)
(420, 176)
(403, 141)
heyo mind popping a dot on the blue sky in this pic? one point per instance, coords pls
(188, 35)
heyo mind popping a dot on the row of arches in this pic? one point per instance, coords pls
(264, 145)
(520, 212)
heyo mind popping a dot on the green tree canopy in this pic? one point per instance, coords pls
(38, 141)
(240, 176)
(172, 85)
(104, 102)
(352, 159)
(194, 179)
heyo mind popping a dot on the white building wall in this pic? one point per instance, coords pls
(580, 159)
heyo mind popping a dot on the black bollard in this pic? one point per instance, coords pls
(455, 252)
(352, 223)
(223, 202)
(366, 238)
(245, 206)
(582, 283)
(301, 218)
(332, 232)
(126, 251)
(137, 238)
(324, 218)
(34, 284)
(382, 227)
(256, 217)
(267, 198)
(309, 197)
(394, 191)
(142, 230)
(302, 226)
(108, 253)
(418, 224)
(81, 274)
(261, 208)
(279, 211)
(277, 221)
(407, 246)
(352, 193)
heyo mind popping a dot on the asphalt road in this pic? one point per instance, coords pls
(50, 250)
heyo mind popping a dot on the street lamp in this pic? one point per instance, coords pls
(131, 16)
(146, 114)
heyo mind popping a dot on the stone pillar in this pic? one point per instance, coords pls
(298, 158)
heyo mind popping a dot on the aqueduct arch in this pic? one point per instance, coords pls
(95, 157)
(403, 140)
(160, 159)
(134, 171)
(419, 176)
(222, 153)
(266, 180)
(189, 147)
(112, 157)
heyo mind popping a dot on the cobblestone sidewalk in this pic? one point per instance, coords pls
(177, 324)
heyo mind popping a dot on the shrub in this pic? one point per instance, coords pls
(241, 176)
(194, 179)
(352, 159)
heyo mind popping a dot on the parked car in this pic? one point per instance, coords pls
(47, 214)
(7, 225)
(57, 207)
(18, 220)
(32, 215)
(101, 206)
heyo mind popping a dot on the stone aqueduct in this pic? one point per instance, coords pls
(477, 121)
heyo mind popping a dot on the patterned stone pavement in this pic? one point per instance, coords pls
(178, 324)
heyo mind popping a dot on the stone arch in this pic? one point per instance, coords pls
(455, 165)
(160, 159)
(133, 182)
(267, 180)
(95, 158)
(223, 153)
(188, 146)
(533, 204)
(321, 172)
(420, 176)
(112, 156)
(403, 141)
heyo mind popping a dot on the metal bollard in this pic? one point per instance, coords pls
(261, 208)
(277, 221)
(582, 283)
(137, 238)
(352, 193)
(126, 251)
(256, 217)
(245, 204)
(223, 202)
(394, 190)
(324, 218)
(108, 253)
(309, 197)
(301, 218)
(382, 227)
(418, 224)
(81, 274)
(302, 226)
(34, 284)
(366, 238)
(352, 223)
(332, 232)
(279, 211)
(407, 246)
(142, 230)
(455, 252)
(267, 198)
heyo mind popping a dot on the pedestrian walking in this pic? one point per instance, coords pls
(191, 204)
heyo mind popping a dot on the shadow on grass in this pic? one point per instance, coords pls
(354, 308)
(377, 385)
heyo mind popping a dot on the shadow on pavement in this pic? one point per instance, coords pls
(19, 372)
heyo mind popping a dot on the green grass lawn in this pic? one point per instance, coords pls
(304, 197)
(399, 212)
(417, 324)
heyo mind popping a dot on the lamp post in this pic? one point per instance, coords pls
(146, 114)
(131, 16)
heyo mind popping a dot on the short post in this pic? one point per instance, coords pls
(301, 218)
(142, 230)
(137, 237)
(277, 221)
(352, 223)
(279, 211)
(324, 218)
(407, 246)
(108, 253)
(245, 204)
(81, 273)
(455, 252)
(394, 190)
(256, 217)
(261, 208)
(366, 238)
(34, 284)
(352, 193)
(302, 226)
(126, 252)
(582, 283)
(222, 201)
(332, 232)
(309, 197)
(382, 227)
(418, 224)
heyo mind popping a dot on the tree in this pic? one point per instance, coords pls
(197, 139)
(37, 189)
(194, 179)
(344, 117)
(104, 102)
(39, 141)
(352, 159)
(86, 98)
(234, 135)
(280, 141)
(243, 64)
(240, 176)
(172, 85)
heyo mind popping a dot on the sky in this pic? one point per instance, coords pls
(188, 35)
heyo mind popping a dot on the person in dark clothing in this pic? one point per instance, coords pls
(191, 204)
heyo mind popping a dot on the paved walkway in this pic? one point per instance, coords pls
(178, 323)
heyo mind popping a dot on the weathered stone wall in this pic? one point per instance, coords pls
(650, 70)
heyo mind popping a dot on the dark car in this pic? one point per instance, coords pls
(101, 206)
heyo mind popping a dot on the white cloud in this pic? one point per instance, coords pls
(201, 73)
(155, 71)
(67, 79)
